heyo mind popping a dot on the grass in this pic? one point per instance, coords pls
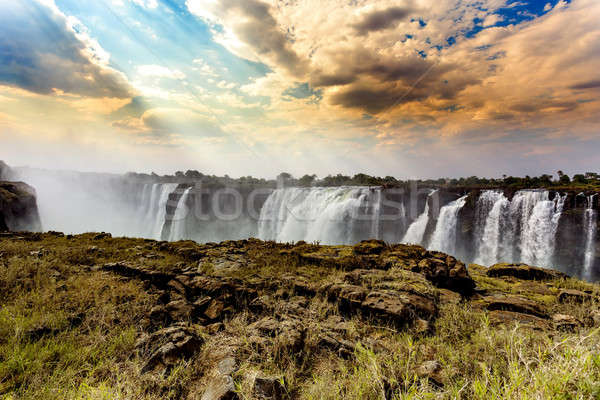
(68, 331)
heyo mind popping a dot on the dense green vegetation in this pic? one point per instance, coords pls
(587, 181)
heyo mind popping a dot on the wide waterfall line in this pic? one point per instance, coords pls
(416, 231)
(590, 225)
(444, 235)
(521, 229)
(338, 215)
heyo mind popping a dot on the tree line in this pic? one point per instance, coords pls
(588, 179)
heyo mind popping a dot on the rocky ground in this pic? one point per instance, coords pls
(91, 316)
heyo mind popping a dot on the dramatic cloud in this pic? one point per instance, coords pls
(309, 85)
(595, 84)
(251, 22)
(42, 51)
(381, 19)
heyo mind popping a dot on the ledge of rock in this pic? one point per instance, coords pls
(524, 271)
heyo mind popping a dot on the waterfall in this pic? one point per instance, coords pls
(539, 230)
(376, 207)
(416, 230)
(154, 208)
(590, 225)
(491, 210)
(444, 236)
(330, 215)
(178, 231)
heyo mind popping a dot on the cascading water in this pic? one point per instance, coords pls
(416, 230)
(178, 231)
(491, 210)
(444, 236)
(376, 207)
(154, 203)
(590, 224)
(539, 231)
(339, 215)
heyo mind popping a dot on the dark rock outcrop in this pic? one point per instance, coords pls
(524, 271)
(18, 207)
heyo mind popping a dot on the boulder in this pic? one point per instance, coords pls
(167, 346)
(180, 310)
(268, 388)
(572, 295)
(500, 317)
(398, 308)
(515, 304)
(524, 271)
(368, 247)
(446, 272)
(349, 297)
(18, 207)
(566, 322)
(221, 387)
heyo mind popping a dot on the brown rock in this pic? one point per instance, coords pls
(514, 303)
(167, 346)
(398, 308)
(180, 310)
(268, 388)
(159, 316)
(524, 271)
(190, 253)
(449, 297)
(227, 366)
(566, 322)
(215, 310)
(571, 295)
(500, 317)
(221, 387)
(349, 297)
(368, 247)
(445, 272)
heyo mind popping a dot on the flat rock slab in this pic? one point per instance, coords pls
(500, 317)
(514, 303)
(524, 271)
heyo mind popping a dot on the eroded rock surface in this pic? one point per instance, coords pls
(18, 207)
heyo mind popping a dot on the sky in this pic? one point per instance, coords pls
(412, 89)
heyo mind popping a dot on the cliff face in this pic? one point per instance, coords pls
(18, 207)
